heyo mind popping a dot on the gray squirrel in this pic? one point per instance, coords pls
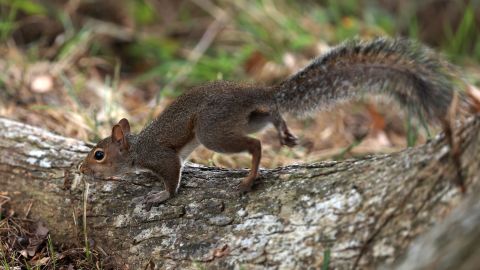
(220, 115)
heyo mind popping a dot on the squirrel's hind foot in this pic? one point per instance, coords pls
(288, 139)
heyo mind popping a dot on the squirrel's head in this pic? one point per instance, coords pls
(111, 156)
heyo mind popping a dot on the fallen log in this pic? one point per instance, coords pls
(358, 213)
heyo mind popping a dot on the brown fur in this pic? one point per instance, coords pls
(220, 115)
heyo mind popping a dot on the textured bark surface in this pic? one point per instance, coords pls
(361, 213)
(453, 244)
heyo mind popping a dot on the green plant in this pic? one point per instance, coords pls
(26, 264)
(4, 262)
(143, 12)
(326, 259)
(413, 28)
(51, 252)
(7, 24)
(8, 13)
(348, 149)
(459, 42)
(412, 131)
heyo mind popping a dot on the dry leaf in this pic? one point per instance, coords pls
(41, 231)
(42, 261)
(474, 95)
(24, 253)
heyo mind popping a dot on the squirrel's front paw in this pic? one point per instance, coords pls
(247, 183)
(154, 198)
(245, 187)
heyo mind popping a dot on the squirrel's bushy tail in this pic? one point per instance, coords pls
(413, 74)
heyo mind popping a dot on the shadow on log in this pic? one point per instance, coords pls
(362, 213)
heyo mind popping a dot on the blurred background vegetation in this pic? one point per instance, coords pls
(77, 66)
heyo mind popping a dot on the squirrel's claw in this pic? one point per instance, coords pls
(247, 183)
(154, 198)
(244, 187)
(288, 139)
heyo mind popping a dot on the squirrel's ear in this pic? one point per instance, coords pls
(123, 123)
(118, 136)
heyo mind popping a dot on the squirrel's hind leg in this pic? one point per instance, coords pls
(286, 137)
(259, 118)
(236, 143)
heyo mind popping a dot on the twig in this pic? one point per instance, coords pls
(28, 209)
(4, 200)
(85, 200)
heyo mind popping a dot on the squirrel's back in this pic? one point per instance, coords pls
(413, 74)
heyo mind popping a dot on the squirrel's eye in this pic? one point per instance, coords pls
(99, 155)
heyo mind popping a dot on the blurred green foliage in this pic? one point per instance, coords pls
(9, 10)
(143, 12)
(460, 39)
(272, 28)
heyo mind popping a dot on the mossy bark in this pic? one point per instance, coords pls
(362, 213)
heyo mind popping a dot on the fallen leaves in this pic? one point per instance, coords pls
(25, 244)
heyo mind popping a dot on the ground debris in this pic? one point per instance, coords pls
(27, 244)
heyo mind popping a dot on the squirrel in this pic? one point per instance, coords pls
(220, 115)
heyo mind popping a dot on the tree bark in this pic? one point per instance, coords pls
(359, 213)
(453, 244)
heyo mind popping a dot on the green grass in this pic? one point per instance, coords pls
(7, 23)
(8, 13)
(4, 261)
(463, 42)
(347, 150)
(37, 267)
(143, 12)
(326, 259)
(51, 252)
(271, 29)
(412, 131)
